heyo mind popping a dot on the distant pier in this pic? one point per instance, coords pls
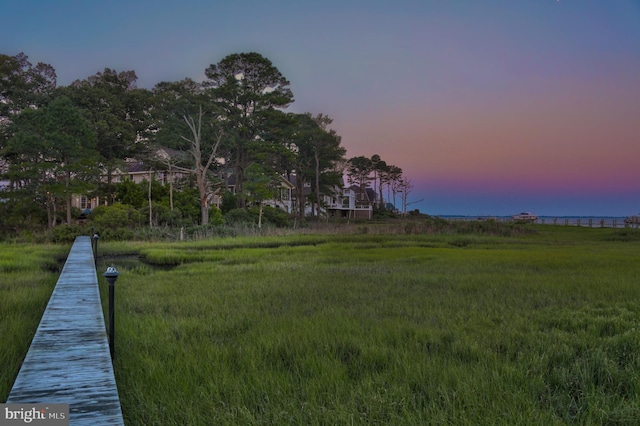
(581, 221)
(68, 361)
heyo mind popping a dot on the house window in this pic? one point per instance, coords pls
(83, 203)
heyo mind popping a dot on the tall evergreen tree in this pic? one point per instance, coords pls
(359, 171)
(326, 152)
(379, 168)
(248, 87)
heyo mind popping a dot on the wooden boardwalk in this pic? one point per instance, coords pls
(68, 361)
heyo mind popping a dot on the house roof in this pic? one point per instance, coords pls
(231, 179)
(370, 193)
(137, 167)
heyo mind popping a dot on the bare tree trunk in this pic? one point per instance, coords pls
(201, 170)
(393, 191)
(54, 212)
(405, 187)
(109, 197)
(149, 198)
(301, 198)
(204, 211)
(69, 218)
(171, 177)
(241, 201)
(317, 158)
(51, 214)
(68, 200)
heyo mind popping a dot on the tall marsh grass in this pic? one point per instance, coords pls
(28, 274)
(536, 328)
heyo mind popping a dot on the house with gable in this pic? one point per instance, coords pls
(353, 202)
(283, 198)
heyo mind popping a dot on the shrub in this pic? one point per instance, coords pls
(270, 216)
(116, 234)
(215, 217)
(229, 202)
(240, 216)
(66, 233)
(129, 192)
(274, 216)
(383, 213)
(188, 201)
(115, 216)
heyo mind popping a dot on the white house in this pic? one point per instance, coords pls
(353, 202)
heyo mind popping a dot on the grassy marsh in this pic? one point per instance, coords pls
(370, 329)
(28, 274)
(367, 328)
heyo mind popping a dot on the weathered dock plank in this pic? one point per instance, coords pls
(68, 361)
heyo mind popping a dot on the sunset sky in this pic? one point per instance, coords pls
(490, 107)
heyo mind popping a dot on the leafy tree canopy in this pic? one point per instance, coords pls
(24, 85)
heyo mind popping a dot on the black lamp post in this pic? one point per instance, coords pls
(111, 275)
(95, 248)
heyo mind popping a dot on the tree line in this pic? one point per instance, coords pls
(57, 141)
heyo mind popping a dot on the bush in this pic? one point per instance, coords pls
(229, 202)
(383, 213)
(164, 216)
(129, 192)
(215, 217)
(115, 216)
(116, 234)
(270, 216)
(66, 233)
(274, 216)
(188, 201)
(240, 216)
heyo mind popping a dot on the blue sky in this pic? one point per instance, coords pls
(490, 107)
